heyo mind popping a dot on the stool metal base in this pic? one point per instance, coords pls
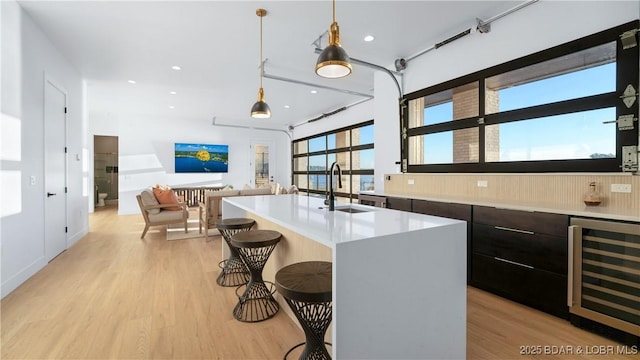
(256, 303)
(314, 319)
(234, 272)
(297, 346)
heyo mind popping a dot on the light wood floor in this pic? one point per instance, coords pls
(113, 295)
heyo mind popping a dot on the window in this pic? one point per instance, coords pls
(351, 147)
(550, 111)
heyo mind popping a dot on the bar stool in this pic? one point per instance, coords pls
(233, 271)
(257, 302)
(306, 287)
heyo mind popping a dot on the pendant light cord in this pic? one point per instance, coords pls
(334, 11)
(261, 62)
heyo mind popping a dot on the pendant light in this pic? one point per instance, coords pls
(260, 109)
(333, 62)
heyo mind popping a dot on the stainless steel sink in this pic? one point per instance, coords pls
(351, 210)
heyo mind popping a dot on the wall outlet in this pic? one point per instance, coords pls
(483, 183)
(32, 180)
(411, 182)
(621, 188)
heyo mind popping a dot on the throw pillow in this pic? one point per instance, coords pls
(163, 187)
(166, 197)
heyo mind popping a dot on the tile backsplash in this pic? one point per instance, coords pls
(554, 189)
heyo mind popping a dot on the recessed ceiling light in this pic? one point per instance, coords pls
(314, 91)
(171, 107)
(176, 67)
(172, 92)
(287, 106)
(131, 81)
(369, 38)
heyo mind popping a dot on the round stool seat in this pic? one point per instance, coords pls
(255, 239)
(308, 281)
(254, 248)
(235, 223)
(234, 272)
(306, 287)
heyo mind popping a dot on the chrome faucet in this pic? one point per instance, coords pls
(331, 199)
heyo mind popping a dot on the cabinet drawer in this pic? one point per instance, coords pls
(537, 250)
(448, 210)
(540, 289)
(399, 204)
(537, 222)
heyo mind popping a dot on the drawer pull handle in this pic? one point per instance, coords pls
(514, 230)
(514, 263)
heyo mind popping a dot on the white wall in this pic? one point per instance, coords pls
(146, 151)
(27, 57)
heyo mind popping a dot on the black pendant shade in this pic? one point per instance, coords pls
(333, 62)
(260, 109)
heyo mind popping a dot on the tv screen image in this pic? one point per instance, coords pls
(195, 158)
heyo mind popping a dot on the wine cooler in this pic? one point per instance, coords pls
(604, 273)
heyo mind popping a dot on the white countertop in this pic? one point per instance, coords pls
(574, 210)
(309, 217)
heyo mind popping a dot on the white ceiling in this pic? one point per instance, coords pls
(217, 44)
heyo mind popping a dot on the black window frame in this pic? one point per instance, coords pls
(627, 67)
(350, 149)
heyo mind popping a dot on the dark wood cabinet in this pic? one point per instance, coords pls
(543, 290)
(537, 222)
(521, 255)
(402, 204)
(448, 210)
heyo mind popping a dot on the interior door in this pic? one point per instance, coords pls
(55, 204)
(263, 164)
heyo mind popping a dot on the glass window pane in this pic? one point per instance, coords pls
(362, 135)
(346, 185)
(449, 147)
(300, 164)
(363, 159)
(453, 104)
(331, 158)
(318, 144)
(584, 73)
(338, 140)
(317, 162)
(318, 182)
(362, 183)
(580, 135)
(343, 159)
(300, 181)
(438, 113)
(300, 147)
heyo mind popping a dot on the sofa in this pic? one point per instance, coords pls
(211, 209)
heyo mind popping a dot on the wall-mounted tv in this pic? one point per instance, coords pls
(195, 158)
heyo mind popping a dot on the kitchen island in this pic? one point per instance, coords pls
(399, 278)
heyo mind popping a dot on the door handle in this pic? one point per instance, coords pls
(50, 194)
